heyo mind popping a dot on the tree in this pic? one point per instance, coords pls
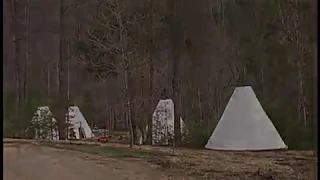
(110, 45)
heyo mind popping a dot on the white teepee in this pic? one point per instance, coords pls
(163, 122)
(77, 120)
(244, 125)
(44, 123)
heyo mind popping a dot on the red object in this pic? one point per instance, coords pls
(104, 138)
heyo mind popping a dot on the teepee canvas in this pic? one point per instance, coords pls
(46, 126)
(163, 122)
(43, 124)
(244, 125)
(79, 123)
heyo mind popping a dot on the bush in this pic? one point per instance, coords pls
(293, 131)
(197, 136)
(16, 121)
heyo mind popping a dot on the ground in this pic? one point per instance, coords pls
(25, 162)
(117, 161)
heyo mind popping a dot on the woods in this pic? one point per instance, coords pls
(116, 59)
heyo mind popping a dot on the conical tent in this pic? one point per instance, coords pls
(79, 123)
(44, 125)
(244, 125)
(163, 122)
(76, 121)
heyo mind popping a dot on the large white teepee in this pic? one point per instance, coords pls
(163, 122)
(244, 125)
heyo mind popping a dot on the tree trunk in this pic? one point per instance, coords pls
(302, 98)
(17, 70)
(48, 81)
(26, 64)
(315, 97)
(151, 72)
(175, 34)
(200, 106)
(14, 23)
(62, 107)
(126, 83)
(132, 114)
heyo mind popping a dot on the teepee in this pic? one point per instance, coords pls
(79, 124)
(43, 124)
(46, 126)
(244, 125)
(163, 123)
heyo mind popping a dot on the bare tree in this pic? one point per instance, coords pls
(116, 45)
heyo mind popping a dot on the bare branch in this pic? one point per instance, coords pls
(74, 5)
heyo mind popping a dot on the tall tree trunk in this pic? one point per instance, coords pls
(302, 97)
(315, 97)
(175, 35)
(17, 70)
(62, 107)
(200, 106)
(151, 72)
(26, 64)
(14, 27)
(131, 94)
(48, 81)
(129, 110)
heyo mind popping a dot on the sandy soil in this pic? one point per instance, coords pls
(26, 162)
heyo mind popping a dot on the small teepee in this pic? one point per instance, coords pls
(46, 126)
(244, 125)
(79, 123)
(163, 123)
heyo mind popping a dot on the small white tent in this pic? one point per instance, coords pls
(44, 118)
(244, 125)
(79, 123)
(44, 125)
(163, 122)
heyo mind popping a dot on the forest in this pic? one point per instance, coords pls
(116, 59)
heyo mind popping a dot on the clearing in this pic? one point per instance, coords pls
(83, 160)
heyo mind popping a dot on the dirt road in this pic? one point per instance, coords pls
(25, 162)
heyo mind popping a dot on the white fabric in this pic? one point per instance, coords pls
(40, 118)
(244, 125)
(77, 119)
(163, 122)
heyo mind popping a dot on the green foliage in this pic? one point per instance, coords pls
(17, 120)
(197, 136)
(295, 134)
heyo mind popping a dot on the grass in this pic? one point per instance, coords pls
(108, 151)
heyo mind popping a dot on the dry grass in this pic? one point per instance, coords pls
(254, 165)
(205, 164)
